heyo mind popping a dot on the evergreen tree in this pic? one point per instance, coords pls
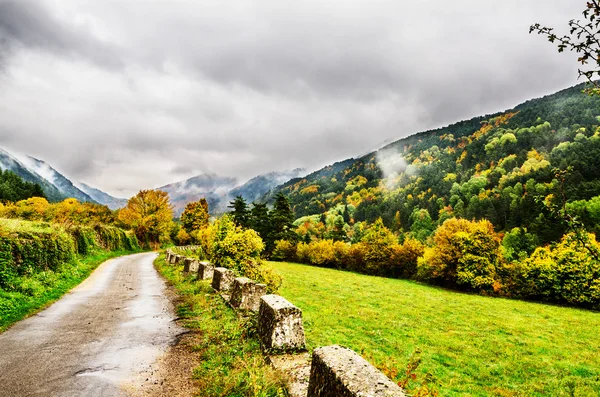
(13, 188)
(323, 219)
(259, 220)
(338, 233)
(346, 215)
(282, 223)
(240, 213)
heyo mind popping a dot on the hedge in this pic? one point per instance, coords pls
(28, 247)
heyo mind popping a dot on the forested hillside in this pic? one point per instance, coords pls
(498, 167)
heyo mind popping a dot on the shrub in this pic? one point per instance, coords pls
(355, 257)
(404, 259)
(27, 247)
(321, 253)
(565, 273)
(233, 245)
(378, 242)
(284, 251)
(464, 255)
(518, 244)
(239, 250)
(183, 238)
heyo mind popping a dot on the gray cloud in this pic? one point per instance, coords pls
(27, 23)
(124, 96)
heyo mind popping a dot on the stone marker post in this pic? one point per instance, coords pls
(190, 265)
(222, 279)
(246, 294)
(205, 270)
(338, 371)
(280, 324)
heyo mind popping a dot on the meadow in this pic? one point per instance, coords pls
(464, 344)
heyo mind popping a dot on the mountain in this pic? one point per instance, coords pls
(219, 191)
(56, 186)
(210, 186)
(64, 185)
(500, 167)
(99, 196)
(12, 163)
(258, 186)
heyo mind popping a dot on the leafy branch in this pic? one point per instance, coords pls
(584, 39)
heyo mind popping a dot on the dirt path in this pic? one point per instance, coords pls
(95, 341)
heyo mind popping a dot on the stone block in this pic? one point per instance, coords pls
(172, 259)
(246, 293)
(190, 265)
(338, 371)
(222, 279)
(205, 270)
(168, 256)
(280, 324)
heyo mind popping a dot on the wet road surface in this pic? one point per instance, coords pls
(96, 339)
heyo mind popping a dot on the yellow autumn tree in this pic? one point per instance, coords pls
(150, 215)
(195, 215)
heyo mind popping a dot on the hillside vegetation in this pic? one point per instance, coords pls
(469, 345)
(493, 167)
(507, 205)
(40, 261)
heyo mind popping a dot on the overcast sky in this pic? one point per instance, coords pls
(125, 95)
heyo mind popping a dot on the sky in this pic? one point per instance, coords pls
(134, 94)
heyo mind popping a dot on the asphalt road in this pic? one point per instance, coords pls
(95, 341)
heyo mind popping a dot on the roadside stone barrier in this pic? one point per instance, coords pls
(190, 265)
(205, 270)
(222, 279)
(172, 259)
(280, 324)
(168, 254)
(338, 371)
(246, 294)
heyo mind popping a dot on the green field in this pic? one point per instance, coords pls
(470, 345)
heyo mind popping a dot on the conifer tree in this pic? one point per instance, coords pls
(240, 213)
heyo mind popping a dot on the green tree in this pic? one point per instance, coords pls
(282, 222)
(338, 233)
(13, 188)
(583, 38)
(346, 215)
(195, 215)
(259, 220)
(240, 213)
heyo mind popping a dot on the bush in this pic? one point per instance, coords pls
(518, 244)
(27, 247)
(239, 250)
(232, 245)
(182, 237)
(465, 255)
(378, 242)
(404, 259)
(565, 273)
(284, 251)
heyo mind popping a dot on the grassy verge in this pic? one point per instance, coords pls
(470, 345)
(232, 362)
(39, 290)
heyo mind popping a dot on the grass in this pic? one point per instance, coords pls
(469, 345)
(232, 364)
(37, 291)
